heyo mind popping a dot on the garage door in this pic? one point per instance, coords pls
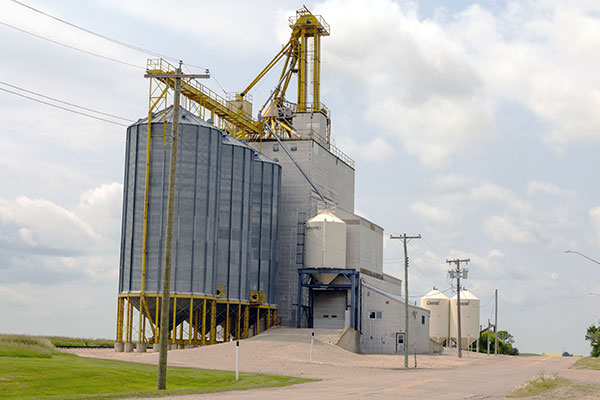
(329, 308)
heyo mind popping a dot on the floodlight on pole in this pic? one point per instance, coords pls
(582, 255)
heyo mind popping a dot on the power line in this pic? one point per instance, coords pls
(65, 102)
(425, 257)
(62, 108)
(432, 248)
(72, 47)
(116, 41)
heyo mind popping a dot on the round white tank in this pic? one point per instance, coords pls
(439, 322)
(325, 241)
(469, 310)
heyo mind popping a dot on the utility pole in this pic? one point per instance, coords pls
(164, 316)
(404, 238)
(496, 326)
(457, 273)
(166, 278)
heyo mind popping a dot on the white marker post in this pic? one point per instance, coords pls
(237, 360)
(312, 340)
(415, 351)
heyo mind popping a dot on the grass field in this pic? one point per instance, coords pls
(539, 385)
(61, 341)
(25, 346)
(31, 368)
(587, 363)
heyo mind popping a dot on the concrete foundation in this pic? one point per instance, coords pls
(190, 346)
(128, 347)
(180, 347)
(119, 347)
(349, 340)
(140, 348)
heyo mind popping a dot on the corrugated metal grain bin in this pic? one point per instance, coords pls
(196, 202)
(226, 212)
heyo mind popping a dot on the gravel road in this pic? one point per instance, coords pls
(345, 375)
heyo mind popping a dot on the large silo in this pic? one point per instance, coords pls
(195, 206)
(212, 234)
(439, 323)
(469, 316)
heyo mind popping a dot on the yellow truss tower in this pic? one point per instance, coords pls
(302, 55)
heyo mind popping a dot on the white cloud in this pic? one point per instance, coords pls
(43, 242)
(595, 217)
(535, 187)
(417, 84)
(542, 55)
(434, 215)
(378, 151)
(506, 228)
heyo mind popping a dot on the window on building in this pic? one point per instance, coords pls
(275, 147)
(422, 320)
(375, 314)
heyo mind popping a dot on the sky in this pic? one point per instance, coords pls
(473, 124)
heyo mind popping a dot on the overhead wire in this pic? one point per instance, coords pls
(72, 47)
(432, 248)
(113, 40)
(63, 108)
(65, 102)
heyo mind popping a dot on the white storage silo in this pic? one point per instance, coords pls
(439, 306)
(325, 242)
(469, 310)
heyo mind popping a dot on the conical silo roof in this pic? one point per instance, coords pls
(166, 115)
(325, 217)
(435, 294)
(466, 295)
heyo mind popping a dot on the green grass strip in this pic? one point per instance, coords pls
(71, 377)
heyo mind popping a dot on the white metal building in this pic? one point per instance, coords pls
(382, 323)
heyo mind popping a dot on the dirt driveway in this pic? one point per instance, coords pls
(285, 351)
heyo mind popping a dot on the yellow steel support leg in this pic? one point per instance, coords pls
(120, 311)
(128, 334)
(268, 323)
(258, 320)
(203, 338)
(191, 321)
(213, 322)
(274, 317)
(181, 331)
(174, 319)
(246, 322)
(226, 332)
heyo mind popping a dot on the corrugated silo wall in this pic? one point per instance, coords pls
(213, 209)
(266, 177)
